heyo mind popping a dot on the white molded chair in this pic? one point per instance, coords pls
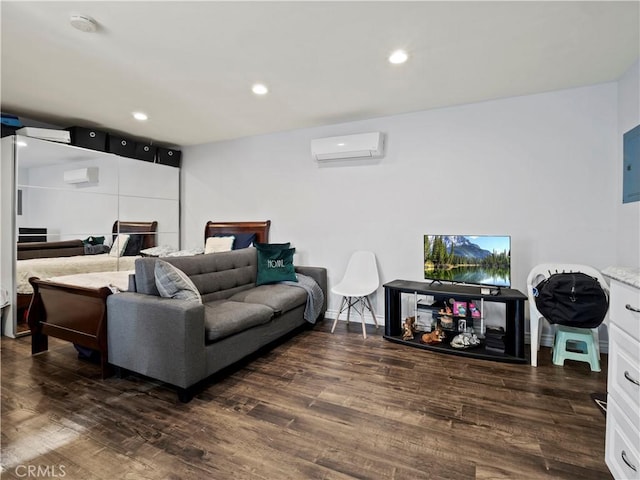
(360, 280)
(539, 273)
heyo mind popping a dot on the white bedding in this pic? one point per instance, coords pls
(46, 268)
(118, 281)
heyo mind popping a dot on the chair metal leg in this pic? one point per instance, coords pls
(350, 302)
(335, 322)
(373, 313)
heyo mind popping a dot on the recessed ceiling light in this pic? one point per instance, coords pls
(259, 89)
(141, 116)
(399, 56)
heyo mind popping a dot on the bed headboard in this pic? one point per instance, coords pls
(149, 228)
(261, 229)
(65, 248)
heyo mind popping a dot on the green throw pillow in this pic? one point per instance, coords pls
(275, 264)
(272, 246)
(93, 240)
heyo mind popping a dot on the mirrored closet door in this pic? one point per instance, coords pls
(67, 197)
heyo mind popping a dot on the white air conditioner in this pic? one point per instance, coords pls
(81, 175)
(348, 146)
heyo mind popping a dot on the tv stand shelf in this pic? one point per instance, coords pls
(514, 326)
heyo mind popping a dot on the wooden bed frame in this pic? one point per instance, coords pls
(69, 248)
(79, 314)
(261, 229)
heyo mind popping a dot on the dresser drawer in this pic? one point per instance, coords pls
(625, 298)
(621, 454)
(624, 373)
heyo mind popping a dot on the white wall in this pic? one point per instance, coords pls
(536, 167)
(127, 189)
(628, 214)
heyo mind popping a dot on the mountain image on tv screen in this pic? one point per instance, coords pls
(473, 259)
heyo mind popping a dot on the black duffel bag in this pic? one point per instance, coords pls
(574, 299)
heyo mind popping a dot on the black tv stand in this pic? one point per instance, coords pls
(514, 300)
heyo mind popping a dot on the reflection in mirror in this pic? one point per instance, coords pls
(71, 200)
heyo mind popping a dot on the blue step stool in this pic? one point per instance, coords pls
(583, 340)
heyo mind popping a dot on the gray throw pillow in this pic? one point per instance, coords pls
(172, 282)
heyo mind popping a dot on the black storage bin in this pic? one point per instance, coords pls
(146, 152)
(166, 156)
(121, 146)
(8, 130)
(88, 138)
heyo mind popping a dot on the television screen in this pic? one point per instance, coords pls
(474, 259)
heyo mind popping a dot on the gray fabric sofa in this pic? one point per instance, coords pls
(181, 342)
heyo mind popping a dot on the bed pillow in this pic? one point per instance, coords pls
(93, 240)
(275, 264)
(172, 282)
(119, 245)
(219, 244)
(243, 240)
(134, 245)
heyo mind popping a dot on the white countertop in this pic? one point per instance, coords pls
(628, 275)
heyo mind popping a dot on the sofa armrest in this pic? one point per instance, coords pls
(162, 338)
(319, 274)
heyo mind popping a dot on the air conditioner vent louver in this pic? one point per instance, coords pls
(348, 146)
(81, 175)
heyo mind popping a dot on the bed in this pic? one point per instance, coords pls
(54, 259)
(63, 309)
(65, 298)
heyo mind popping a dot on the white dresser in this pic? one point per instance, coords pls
(622, 448)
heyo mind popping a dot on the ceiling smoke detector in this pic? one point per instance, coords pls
(84, 23)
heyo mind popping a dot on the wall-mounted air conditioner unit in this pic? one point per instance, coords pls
(81, 175)
(348, 146)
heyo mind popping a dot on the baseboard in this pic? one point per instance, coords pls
(355, 317)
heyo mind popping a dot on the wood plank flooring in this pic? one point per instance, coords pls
(319, 406)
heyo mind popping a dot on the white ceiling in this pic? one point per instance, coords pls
(190, 65)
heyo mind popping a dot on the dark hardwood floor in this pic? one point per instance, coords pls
(317, 406)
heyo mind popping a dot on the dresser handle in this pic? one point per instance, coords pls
(633, 309)
(629, 464)
(628, 376)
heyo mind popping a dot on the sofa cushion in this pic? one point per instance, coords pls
(226, 317)
(172, 282)
(281, 298)
(275, 265)
(217, 275)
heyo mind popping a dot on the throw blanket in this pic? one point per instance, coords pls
(315, 296)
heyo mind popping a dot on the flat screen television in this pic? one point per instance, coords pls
(470, 259)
